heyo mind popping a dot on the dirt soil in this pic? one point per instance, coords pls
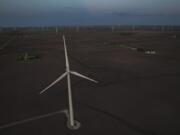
(137, 93)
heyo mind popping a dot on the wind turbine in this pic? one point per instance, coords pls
(57, 30)
(71, 123)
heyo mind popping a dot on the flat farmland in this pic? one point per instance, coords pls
(137, 94)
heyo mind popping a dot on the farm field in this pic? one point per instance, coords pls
(138, 73)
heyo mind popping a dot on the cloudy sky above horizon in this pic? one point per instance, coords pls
(89, 12)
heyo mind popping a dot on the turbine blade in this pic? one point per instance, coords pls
(83, 76)
(53, 83)
(65, 52)
(30, 119)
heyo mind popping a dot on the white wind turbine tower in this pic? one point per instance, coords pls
(57, 30)
(72, 124)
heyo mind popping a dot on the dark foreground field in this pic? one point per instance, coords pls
(137, 93)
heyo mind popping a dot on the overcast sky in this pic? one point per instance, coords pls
(88, 12)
